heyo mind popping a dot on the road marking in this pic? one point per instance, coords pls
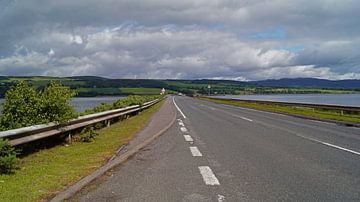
(208, 176)
(181, 123)
(308, 138)
(188, 138)
(246, 119)
(183, 129)
(241, 117)
(338, 147)
(177, 107)
(221, 198)
(328, 144)
(195, 151)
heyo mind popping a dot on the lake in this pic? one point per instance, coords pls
(330, 99)
(83, 103)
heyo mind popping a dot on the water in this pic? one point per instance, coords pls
(83, 103)
(330, 99)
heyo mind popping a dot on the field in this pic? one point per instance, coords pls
(140, 91)
(85, 92)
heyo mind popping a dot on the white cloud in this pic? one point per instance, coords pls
(180, 39)
(305, 71)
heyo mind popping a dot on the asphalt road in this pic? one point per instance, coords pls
(224, 153)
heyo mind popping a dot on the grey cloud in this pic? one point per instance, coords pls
(180, 39)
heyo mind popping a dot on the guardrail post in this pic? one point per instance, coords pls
(108, 123)
(342, 112)
(68, 139)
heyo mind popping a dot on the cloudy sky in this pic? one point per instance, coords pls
(187, 39)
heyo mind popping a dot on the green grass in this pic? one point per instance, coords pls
(143, 91)
(37, 78)
(302, 111)
(105, 91)
(140, 91)
(46, 172)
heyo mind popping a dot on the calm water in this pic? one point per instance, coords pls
(83, 103)
(331, 99)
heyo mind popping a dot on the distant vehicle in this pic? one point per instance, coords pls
(163, 91)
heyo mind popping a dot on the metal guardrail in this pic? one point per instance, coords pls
(341, 109)
(32, 133)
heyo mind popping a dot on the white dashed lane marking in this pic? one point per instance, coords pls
(188, 138)
(241, 117)
(244, 118)
(221, 198)
(208, 176)
(183, 129)
(195, 151)
(338, 147)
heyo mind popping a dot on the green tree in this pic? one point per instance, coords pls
(20, 107)
(55, 103)
(24, 106)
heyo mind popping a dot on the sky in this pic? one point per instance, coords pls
(188, 39)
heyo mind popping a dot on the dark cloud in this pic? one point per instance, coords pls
(227, 39)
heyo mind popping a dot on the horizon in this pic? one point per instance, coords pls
(211, 79)
(216, 39)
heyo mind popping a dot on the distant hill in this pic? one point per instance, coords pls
(310, 83)
(89, 86)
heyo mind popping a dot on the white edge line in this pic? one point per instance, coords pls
(195, 151)
(188, 138)
(177, 107)
(208, 176)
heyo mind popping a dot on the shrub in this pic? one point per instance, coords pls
(8, 159)
(128, 101)
(88, 134)
(24, 106)
(55, 103)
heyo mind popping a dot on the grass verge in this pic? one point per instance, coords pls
(44, 173)
(291, 110)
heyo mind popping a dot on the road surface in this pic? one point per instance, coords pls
(224, 153)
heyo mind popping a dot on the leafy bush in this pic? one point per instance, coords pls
(55, 103)
(88, 135)
(8, 159)
(128, 101)
(24, 106)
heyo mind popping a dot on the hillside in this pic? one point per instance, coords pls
(90, 86)
(310, 83)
